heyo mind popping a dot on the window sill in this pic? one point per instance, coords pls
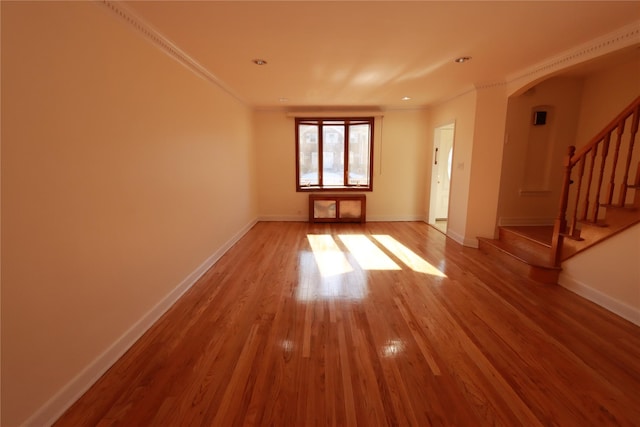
(312, 188)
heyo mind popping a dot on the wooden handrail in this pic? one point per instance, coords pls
(585, 195)
(622, 117)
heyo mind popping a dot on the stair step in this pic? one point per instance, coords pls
(519, 253)
(534, 238)
(599, 223)
(625, 207)
(618, 219)
(530, 264)
(572, 237)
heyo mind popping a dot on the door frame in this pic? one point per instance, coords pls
(440, 156)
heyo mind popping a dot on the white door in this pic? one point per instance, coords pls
(441, 173)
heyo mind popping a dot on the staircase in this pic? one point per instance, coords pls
(598, 201)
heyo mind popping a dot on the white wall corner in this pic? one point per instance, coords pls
(623, 310)
(471, 242)
(464, 241)
(48, 413)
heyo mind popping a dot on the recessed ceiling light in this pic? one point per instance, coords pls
(462, 59)
(260, 62)
(406, 98)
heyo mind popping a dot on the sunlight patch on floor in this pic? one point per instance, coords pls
(366, 253)
(329, 257)
(334, 267)
(313, 285)
(407, 256)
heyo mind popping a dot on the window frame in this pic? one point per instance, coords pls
(331, 121)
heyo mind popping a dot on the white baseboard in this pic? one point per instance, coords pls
(48, 413)
(464, 241)
(455, 236)
(615, 306)
(394, 218)
(507, 222)
(285, 218)
(375, 218)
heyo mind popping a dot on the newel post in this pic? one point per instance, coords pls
(560, 224)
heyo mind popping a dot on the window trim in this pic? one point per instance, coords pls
(370, 120)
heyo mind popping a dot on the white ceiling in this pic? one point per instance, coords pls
(373, 53)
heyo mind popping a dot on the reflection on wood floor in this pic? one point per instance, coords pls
(375, 324)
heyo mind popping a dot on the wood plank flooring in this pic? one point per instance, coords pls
(298, 325)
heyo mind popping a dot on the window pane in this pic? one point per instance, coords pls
(359, 154)
(333, 156)
(308, 155)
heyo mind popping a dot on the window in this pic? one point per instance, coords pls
(334, 154)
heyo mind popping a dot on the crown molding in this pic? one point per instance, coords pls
(626, 36)
(621, 38)
(490, 85)
(166, 45)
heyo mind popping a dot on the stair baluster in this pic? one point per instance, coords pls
(587, 202)
(596, 203)
(573, 230)
(632, 139)
(616, 152)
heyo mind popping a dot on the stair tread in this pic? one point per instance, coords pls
(520, 254)
(599, 223)
(572, 237)
(625, 207)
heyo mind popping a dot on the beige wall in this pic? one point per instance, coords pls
(479, 118)
(461, 111)
(402, 169)
(605, 93)
(122, 172)
(276, 169)
(609, 274)
(526, 200)
(400, 175)
(488, 143)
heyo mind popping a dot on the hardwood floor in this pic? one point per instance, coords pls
(276, 335)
